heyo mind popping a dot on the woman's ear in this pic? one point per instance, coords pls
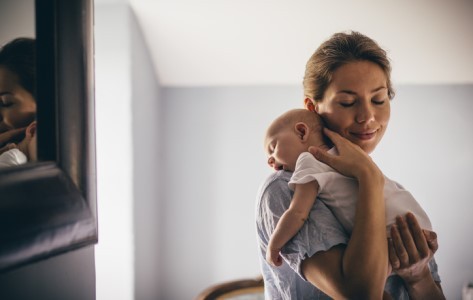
(302, 131)
(310, 104)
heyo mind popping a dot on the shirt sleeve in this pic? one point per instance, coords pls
(320, 232)
(310, 169)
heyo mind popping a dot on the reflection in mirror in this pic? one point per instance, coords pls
(17, 103)
(17, 83)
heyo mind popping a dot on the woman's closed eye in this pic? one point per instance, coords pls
(347, 103)
(6, 100)
(379, 101)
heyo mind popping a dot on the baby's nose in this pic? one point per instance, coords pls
(271, 161)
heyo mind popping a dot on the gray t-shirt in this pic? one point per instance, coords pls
(320, 232)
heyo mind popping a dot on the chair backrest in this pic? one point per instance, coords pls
(236, 289)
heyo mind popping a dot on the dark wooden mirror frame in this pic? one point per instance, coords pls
(48, 208)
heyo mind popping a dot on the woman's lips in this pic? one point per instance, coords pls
(364, 135)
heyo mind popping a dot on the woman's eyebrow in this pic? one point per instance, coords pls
(350, 92)
(378, 89)
(346, 92)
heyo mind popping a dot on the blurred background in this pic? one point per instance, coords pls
(184, 92)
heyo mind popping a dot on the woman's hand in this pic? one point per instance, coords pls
(7, 136)
(410, 250)
(352, 161)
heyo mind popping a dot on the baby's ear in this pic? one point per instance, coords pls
(31, 129)
(302, 131)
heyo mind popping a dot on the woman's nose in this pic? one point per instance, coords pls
(364, 114)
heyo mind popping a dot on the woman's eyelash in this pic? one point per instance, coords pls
(345, 104)
(5, 101)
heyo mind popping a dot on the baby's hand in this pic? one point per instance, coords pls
(273, 257)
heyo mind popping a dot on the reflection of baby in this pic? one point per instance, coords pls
(22, 152)
(287, 141)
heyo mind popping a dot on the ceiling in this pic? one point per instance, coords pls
(263, 42)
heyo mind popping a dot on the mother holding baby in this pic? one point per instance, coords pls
(17, 102)
(347, 82)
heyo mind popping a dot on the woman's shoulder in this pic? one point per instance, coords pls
(275, 186)
(275, 180)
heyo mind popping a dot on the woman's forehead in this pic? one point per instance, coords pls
(8, 79)
(352, 75)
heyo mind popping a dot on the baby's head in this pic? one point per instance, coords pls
(291, 134)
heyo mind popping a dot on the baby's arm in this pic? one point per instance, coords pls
(292, 220)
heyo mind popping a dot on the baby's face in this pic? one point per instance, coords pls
(283, 148)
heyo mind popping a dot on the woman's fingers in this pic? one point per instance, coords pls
(421, 246)
(399, 248)
(393, 259)
(6, 136)
(408, 239)
(431, 238)
(322, 155)
(336, 138)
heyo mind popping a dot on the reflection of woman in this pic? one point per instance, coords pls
(347, 82)
(17, 90)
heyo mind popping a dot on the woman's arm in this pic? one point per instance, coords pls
(358, 269)
(410, 250)
(9, 137)
(292, 220)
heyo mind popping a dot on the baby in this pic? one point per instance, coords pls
(287, 141)
(25, 150)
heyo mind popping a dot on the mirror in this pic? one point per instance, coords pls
(49, 207)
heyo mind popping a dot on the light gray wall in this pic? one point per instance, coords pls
(69, 276)
(146, 126)
(214, 162)
(17, 19)
(128, 158)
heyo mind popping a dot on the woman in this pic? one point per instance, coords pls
(17, 90)
(347, 82)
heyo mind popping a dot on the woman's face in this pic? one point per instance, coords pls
(356, 104)
(17, 105)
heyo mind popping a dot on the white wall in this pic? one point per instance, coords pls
(114, 251)
(146, 126)
(128, 126)
(214, 163)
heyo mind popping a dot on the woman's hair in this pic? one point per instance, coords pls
(19, 57)
(340, 49)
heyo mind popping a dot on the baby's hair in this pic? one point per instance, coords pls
(293, 116)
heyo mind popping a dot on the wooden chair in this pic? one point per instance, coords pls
(236, 289)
